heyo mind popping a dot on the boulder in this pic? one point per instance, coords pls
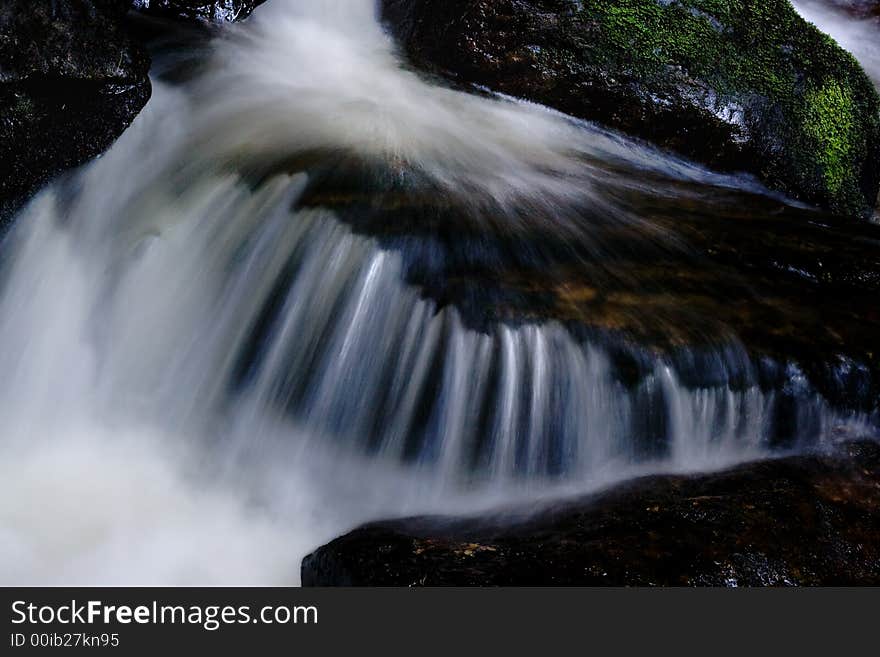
(71, 81)
(802, 520)
(209, 10)
(738, 85)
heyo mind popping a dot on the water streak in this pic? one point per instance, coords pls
(207, 377)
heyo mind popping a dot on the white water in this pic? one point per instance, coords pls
(860, 37)
(131, 450)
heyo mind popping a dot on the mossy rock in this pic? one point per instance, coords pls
(736, 84)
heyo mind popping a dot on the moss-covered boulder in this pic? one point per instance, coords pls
(737, 84)
(71, 80)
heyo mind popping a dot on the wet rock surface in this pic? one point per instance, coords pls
(209, 10)
(71, 80)
(804, 520)
(739, 86)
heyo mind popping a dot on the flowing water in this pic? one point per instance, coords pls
(220, 352)
(851, 25)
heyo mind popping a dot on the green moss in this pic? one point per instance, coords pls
(754, 48)
(740, 85)
(831, 122)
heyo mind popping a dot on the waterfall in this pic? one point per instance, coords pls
(209, 372)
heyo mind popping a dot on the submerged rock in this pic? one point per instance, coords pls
(737, 85)
(211, 10)
(804, 520)
(791, 285)
(71, 81)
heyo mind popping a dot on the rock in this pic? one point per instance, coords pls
(71, 81)
(803, 520)
(210, 10)
(738, 85)
(858, 8)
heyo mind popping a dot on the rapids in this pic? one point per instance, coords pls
(216, 359)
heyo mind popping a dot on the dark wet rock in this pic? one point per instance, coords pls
(71, 81)
(857, 8)
(737, 85)
(208, 10)
(803, 520)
